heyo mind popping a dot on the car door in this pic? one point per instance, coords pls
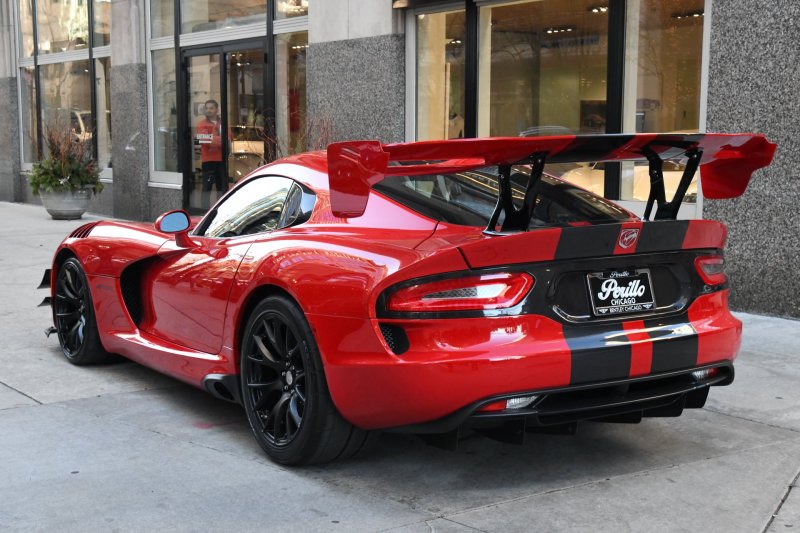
(189, 288)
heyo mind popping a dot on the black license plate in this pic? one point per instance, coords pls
(620, 292)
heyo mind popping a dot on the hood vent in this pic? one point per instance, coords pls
(83, 231)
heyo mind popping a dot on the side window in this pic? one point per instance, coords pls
(255, 207)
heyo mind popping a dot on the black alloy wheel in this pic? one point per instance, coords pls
(284, 391)
(73, 314)
(276, 378)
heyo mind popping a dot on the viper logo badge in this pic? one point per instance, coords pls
(628, 237)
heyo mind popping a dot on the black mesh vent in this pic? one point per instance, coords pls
(395, 337)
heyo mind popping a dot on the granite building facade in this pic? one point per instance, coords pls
(137, 78)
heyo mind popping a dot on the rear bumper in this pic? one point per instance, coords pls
(454, 366)
(655, 395)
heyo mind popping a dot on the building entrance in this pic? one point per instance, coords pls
(226, 117)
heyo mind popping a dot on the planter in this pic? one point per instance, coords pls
(68, 204)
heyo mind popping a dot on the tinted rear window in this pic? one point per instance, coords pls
(469, 198)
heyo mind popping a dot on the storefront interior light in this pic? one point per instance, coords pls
(562, 29)
(598, 9)
(688, 15)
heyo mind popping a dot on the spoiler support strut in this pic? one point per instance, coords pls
(516, 219)
(668, 210)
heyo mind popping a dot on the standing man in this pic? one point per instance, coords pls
(209, 136)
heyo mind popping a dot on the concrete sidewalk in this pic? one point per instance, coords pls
(122, 448)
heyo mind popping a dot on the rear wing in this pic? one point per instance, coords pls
(726, 162)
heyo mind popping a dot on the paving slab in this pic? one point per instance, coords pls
(767, 374)
(71, 471)
(732, 493)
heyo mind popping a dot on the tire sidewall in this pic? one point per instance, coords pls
(90, 333)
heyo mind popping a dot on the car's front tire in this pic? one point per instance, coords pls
(284, 390)
(74, 318)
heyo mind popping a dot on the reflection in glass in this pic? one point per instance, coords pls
(440, 75)
(662, 82)
(63, 25)
(66, 98)
(205, 118)
(102, 23)
(162, 18)
(204, 15)
(542, 68)
(246, 112)
(102, 73)
(285, 9)
(290, 95)
(165, 111)
(253, 208)
(26, 27)
(28, 109)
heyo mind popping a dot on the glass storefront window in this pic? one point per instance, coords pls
(102, 76)
(28, 110)
(102, 23)
(66, 98)
(162, 18)
(285, 9)
(293, 133)
(165, 111)
(26, 27)
(663, 60)
(63, 25)
(440, 75)
(542, 68)
(204, 15)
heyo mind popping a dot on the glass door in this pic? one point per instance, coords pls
(225, 115)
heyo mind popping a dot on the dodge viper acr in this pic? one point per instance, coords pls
(426, 287)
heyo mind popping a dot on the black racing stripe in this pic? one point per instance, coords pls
(675, 346)
(662, 235)
(588, 241)
(591, 148)
(598, 353)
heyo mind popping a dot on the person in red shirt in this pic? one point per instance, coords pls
(209, 136)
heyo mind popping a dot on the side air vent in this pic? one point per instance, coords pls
(395, 337)
(83, 231)
(131, 286)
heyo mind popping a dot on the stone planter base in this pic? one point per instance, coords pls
(66, 205)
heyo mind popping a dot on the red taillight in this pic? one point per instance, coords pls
(711, 268)
(472, 293)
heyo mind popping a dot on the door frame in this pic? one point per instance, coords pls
(186, 144)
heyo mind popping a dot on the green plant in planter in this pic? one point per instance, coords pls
(68, 165)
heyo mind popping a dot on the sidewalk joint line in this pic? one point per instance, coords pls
(20, 392)
(777, 511)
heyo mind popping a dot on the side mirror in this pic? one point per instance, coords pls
(177, 223)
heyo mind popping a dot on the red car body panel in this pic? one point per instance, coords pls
(185, 309)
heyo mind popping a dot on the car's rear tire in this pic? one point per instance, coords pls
(284, 390)
(74, 318)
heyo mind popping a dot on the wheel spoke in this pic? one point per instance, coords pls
(294, 411)
(277, 415)
(266, 353)
(68, 316)
(265, 362)
(72, 336)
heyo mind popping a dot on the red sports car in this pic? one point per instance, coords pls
(425, 287)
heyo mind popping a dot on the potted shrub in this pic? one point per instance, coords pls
(67, 177)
